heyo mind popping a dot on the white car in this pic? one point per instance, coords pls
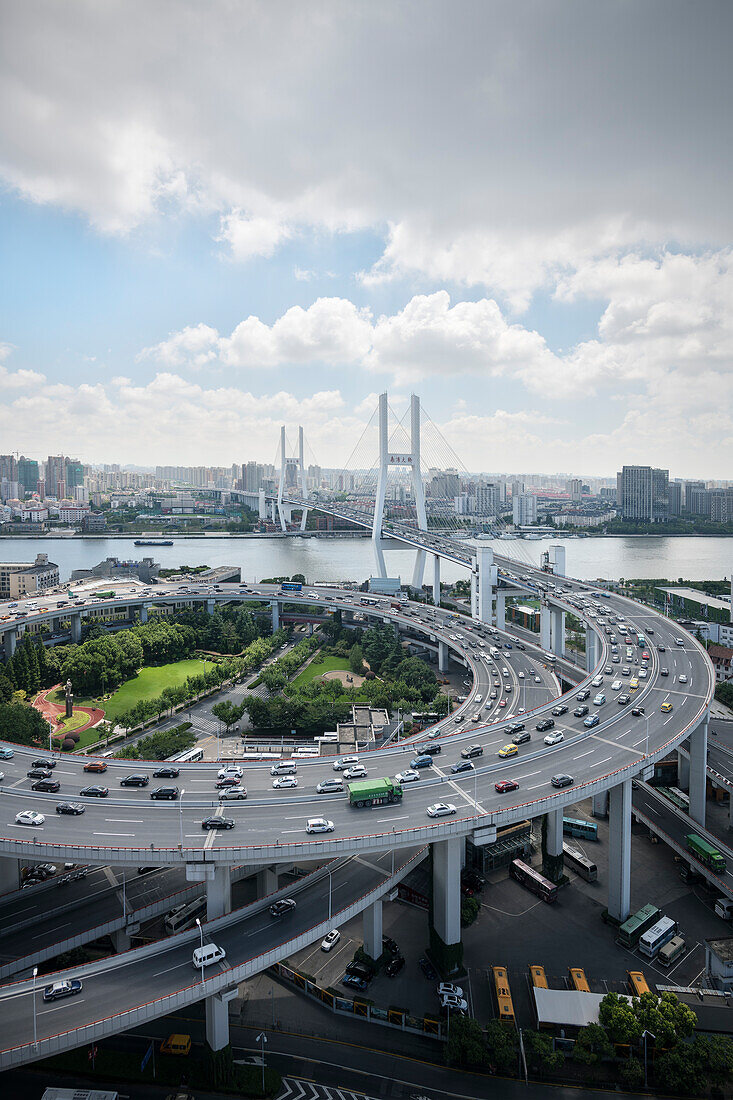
(357, 772)
(555, 737)
(330, 786)
(29, 817)
(448, 989)
(318, 825)
(682, 678)
(230, 771)
(344, 763)
(441, 809)
(455, 1004)
(284, 781)
(538, 679)
(330, 939)
(599, 699)
(232, 794)
(520, 674)
(409, 776)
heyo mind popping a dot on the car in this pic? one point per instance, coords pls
(545, 724)
(682, 679)
(679, 641)
(623, 699)
(94, 792)
(472, 878)
(70, 808)
(597, 681)
(167, 773)
(581, 711)
(662, 648)
(441, 809)
(282, 907)
(355, 982)
(520, 645)
(559, 709)
(360, 969)
(554, 738)
(330, 786)
(330, 939)
(461, 766)
(345, 762)
(473, 751)
(637, 711)
(599, 699)
(447, 989)
(454, 1004)
(96, 766)
(591, 721)
(319, 825)
(163, 794)
(505, 786)
(284, 781)
(583, 695)
(538, 679)
(58, 990)
(427, 968)
(43, 764)
(228, 781)
(50, 785)
(39, 773)
(502, 703)
(429, 748)
(508, 750)
(230, 771)
(29, 817)
(218, 823)
(664, 672)
(357, 772)
(516, 727)
(666, 708)
(408, 776)
(6, 754)
(562, 780)
(233, 794)
(394, 966)
(616, 660)
(137, 780)
(608, 670)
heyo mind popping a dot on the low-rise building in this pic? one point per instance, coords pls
(721, 657)
(19, 579)
(114, 569)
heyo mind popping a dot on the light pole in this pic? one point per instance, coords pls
(647, 1034)
(262, 1039)
(50, 735)
(646, 747)
(201, 935)
(180, 814)
(35, 1027)
(329, 895)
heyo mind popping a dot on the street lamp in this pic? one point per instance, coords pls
(35, 1027)
(329, 894)
(201, 934)
(180, 814)
(262, 1039)
(50, 735)
(650, 1035)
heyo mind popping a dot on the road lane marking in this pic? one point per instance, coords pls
(112, 834)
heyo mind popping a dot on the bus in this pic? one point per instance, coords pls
(705, 852)
(579, 863)
(538, 977)
(578, 979)
(671, 951)
(291, 586)
(184, 915)
(533, 880)
(656, 936)
(637, 983)
(575, 826)
(634, 928)
(550, 658)
(190, 757)
(677, 797)
(503, 994)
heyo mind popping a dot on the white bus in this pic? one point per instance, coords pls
(183, 916)
(656, 937)
(190, 757)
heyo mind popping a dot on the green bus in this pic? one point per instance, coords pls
(374, 792)
(705, 852)
(634, 928)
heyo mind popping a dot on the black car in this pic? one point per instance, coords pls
(623, 700)
(167, 773)
(461, 766)
(580, 712)
(472, 878)
(583, 695)
(361, 970)
(135, 781)
(662, 648)
(559, 709)
(169, 793)
(355, 982)
(637, 711)
(281, 907)
(431, 749)
(427, 968)
(522, 738)
(43, 764)
(517, 727)
(71, 808)
(218, 823)
(146, 870)
(94, 792)
(475, 750)
(390, 945)
(562, 780)
(545, 724)
(520, 645)
(394, 966)
(51, 785)
(39, 773)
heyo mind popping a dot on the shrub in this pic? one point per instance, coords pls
(68, 745)
(469, 911)
(631, 1074)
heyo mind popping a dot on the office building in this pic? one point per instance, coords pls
(524, 508)
(28, 474)
(18, 578)
(721, 505)
(674, 490)
(643, 493)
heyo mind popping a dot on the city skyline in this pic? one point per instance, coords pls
(522, 237)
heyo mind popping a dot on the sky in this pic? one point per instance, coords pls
(217, 218)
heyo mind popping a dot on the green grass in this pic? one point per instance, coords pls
(148, 684)
(318, 668)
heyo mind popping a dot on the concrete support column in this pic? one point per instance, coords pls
(219, 893)
(730, 810)
(442, 657)
(210, 605)
(9, 875)
(217, 1020)
(557, 631)
(483, 583)
(591, 649)
(275, 615)
(10, 639)
(500, 609)
(436, 580)
(600, 804)
(373, 929)
(447, 889)
(683, 771)
(55, 626)
(619, 851)
(554, 833)
(266, 881)
(76, 627)
(698, 764)
(557, 557)
(545, 627)
(121, 940)
(143, 613)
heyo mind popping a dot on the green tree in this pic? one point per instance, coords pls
(666, 1017)
(466, 1045)
(501, 1041)
(631, 1074)
(678, 1071)
(22, 725)
(618, 1018)
(356, 659)
(539, 1051)
(592, 1045)
(228, 712)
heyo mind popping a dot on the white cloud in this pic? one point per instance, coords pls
(249, 236)
(20, 379)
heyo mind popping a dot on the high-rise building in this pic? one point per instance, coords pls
(675, 498)
(688, 489)
(55, 475)
(660, 495)
(643, 493)
(697, 501)
(721, 505)
(524, 508)
(576, 489)
(28, 474)
(74, 475)
(487, 500)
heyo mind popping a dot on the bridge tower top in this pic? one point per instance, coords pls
(391, 459)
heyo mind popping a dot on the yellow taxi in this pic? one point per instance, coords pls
(633, 684)
(666, 708)
(509, 750)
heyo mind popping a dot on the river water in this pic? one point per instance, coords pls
(333, 559)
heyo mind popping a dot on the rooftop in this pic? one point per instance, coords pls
(694, 596)
(723, 948)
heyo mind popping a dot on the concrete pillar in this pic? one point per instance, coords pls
(266, 881)
(217, 1020)
(275, 615)
(261, 504)
(554, 833)
(698, 764)
(10, 639)
(557, 557)
(373, 929)
(591, 649)
(76, 627)
(210, 605)
(600, 804)
(442, 657)
(619, 851)
(730, 810)
(9, 875)
(557, 631)
(683, 771)
(545, 627)
(121, 940)
(436, 580)
(218, 893)
(500, 609)
(55, 626)
(483, 583)
(143, 613)
(447, 889)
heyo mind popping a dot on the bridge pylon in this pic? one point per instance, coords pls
(392, 459)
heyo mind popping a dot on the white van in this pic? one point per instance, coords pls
(208, 954)
(284, 767)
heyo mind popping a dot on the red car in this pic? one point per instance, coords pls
(502, 703)
(95, 766)
(506, 785)
(228, 781)
(645, 656)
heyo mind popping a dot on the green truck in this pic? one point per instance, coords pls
(374, 792)
(705, 852)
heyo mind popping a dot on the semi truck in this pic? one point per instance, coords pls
(705, 852)
(374, 792)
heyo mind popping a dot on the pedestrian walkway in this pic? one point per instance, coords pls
(298, 1088)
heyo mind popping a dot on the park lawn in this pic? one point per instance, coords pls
(148, 684)
(318, 668)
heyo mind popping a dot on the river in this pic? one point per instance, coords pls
(333, 559)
